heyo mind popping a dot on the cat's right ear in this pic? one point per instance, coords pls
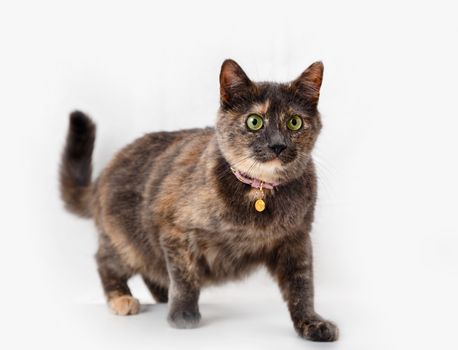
(233, 82)
(309, 83)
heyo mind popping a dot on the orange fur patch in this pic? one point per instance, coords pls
(124, 305)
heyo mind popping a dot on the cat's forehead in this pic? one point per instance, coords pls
(275, 98)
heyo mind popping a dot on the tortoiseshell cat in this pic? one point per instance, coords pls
(190, 208)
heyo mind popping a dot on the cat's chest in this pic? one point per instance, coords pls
(265, 213)
(232, 238)
(231, 253)
(239, 216)
(222, 237)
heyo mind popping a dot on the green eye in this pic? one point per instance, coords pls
(294, 123)
(254, 122)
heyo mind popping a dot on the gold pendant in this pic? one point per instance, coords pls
(260, 205)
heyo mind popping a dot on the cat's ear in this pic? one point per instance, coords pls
(309, 82)
(233, 82)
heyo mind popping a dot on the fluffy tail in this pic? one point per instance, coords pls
(76, 166)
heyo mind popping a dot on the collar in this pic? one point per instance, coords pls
(256, 183)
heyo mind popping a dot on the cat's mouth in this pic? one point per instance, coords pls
(275, 162)
(278, 161)
(267, 171)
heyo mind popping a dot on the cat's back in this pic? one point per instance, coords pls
(120, 187)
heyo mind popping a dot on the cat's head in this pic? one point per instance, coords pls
(267, 130)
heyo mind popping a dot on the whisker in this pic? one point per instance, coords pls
(227, 170)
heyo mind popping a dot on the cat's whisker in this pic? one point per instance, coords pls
(249, 173)
(227, 170)
(324, 176)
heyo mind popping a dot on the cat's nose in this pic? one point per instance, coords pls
(278, 148)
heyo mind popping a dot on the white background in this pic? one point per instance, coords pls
(385, 237)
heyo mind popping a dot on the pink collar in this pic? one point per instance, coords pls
(256, 183)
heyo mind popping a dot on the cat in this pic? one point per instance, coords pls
(191, 208)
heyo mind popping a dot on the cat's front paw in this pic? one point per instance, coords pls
(184, 318)
(317, 330)
(124, 305)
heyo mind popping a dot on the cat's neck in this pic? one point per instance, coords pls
(240, 199)
(252, 181)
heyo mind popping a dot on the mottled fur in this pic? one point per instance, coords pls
(168, 207)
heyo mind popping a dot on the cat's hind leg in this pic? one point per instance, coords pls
(114, 275)
(160, 294)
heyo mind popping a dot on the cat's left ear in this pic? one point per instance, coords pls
(234, 83)
(309, 82)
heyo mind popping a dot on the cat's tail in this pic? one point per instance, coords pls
(76, 165)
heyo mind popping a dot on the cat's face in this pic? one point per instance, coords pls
(268, 130)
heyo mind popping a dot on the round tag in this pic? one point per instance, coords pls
(260, 205)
